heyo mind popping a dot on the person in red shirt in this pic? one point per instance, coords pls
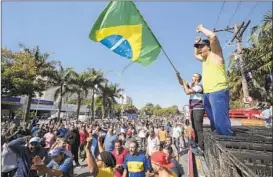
(119, 153)
(83, 136)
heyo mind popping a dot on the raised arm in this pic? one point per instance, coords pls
(185, 85)
(100, 145)
(17, 145)
(91, 162)
(214, 43)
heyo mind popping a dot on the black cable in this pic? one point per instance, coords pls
(251, 11)
(237, 7)
(223, 4)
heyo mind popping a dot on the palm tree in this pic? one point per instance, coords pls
(43, 69)
(59, 79)
(259, 57)
(257, 63)
(108, 94)
(80, 84)
(97, 81)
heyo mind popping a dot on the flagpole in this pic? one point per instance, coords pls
(157, 40)
(168, 58)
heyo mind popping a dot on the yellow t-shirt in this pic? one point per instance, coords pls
(173, 174)
(213, 75)
(105, 172)
(162, 135)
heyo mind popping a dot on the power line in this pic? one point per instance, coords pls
(251, 11)
(219, 14)
(237, 7)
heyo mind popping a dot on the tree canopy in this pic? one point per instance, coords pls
(157, 110)
(257, 66)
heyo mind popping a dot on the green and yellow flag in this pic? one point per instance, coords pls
(121, 28)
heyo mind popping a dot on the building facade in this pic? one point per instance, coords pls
(125, 100)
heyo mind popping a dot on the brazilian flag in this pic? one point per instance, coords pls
(122, 29)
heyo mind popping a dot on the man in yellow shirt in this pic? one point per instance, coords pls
(103, 166)
(162, 135)
(216, 98)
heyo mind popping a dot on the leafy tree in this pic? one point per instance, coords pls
(257, 65)
(24, 73)
(18, 72)
(117, 109)
(148, 109)
(156, 110)
(129, 108)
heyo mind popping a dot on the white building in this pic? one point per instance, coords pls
(125, 100)
(48, 94)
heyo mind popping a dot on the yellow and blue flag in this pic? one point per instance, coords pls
(122, 29)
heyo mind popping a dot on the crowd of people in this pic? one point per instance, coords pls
(111, 147)
(127, 147)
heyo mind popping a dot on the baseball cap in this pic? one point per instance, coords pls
(56, 151)
(160, 158)
(35, 140)
(203, 42)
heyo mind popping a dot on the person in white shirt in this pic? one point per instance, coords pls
(156, 130)
(176, 131)
(142, 135)
(153, 143)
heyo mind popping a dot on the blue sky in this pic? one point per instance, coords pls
(62, 28)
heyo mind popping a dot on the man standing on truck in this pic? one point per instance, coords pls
(216, 98)
(195, 90)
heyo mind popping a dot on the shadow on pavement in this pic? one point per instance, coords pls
(183, 152)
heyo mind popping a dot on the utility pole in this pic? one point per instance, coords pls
(239, 54)
(238, 33)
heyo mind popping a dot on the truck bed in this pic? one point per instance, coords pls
(247, 154)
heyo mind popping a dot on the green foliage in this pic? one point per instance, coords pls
(107, 96)
(18, 72)
(20, 113)
(150, 109)
(257, 61)
(80, 84)
(117, 108)
(24, 73)
(75, 101)
(129, 108)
